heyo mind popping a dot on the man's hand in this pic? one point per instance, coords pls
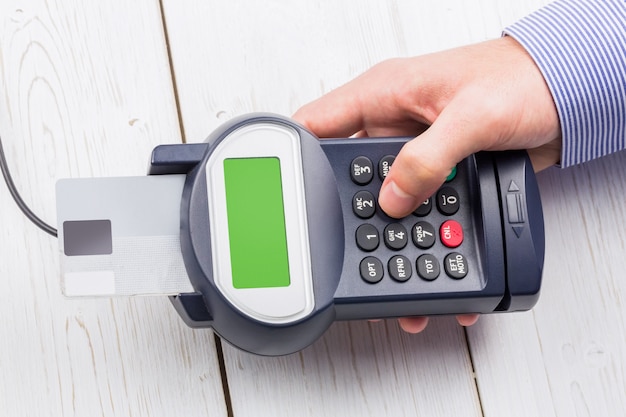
(487, 96)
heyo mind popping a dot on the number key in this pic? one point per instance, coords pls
(423, 234)
(448, 201)
(424, 208)
(364, 204)
(361, 170)
(396, 236)
(367, 237)
(384, 165)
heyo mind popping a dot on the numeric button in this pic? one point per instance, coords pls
(367, 237)
(424, 208)
(448, 201)
(361, 170)
(423, 234)
(395, 236)
(384, 165)
(364, 204)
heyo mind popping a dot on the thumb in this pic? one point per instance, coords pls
(424, 162)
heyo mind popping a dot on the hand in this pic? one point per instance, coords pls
(487, 96)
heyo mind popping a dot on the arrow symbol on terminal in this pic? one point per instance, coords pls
(518, 230)
(513, 187)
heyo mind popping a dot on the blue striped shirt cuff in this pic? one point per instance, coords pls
(580, 47)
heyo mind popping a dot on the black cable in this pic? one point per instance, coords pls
(16, 196)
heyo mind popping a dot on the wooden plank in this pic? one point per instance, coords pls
(232, 58)
(525, 362)
(567, 357)
(86, 90)
(360, 369)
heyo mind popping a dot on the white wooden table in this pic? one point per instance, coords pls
(89, 88)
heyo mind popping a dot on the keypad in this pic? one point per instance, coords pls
(427, 246)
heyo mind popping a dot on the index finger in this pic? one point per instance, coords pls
(382, 97)
(336, 114)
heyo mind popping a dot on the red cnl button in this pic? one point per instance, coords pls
(451, 233)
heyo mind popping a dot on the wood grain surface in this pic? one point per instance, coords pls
(89, 88)
(86, 90)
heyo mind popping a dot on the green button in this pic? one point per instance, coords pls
(451, 175)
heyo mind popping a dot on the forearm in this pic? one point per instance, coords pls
(580, 48)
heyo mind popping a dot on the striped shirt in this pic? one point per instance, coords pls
(580, 48)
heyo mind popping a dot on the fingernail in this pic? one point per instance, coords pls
(395, 201)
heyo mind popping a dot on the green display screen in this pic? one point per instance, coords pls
(256, 222)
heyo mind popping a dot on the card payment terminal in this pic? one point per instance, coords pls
(281, 235)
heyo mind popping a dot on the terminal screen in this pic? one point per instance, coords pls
(256, 223)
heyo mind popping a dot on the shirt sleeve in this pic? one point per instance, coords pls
(580, 48)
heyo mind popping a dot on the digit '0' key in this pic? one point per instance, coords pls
(448, 201)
